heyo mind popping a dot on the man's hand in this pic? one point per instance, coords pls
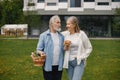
(41, 53)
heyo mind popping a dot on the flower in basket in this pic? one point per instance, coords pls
(38, 60)
(67, 44)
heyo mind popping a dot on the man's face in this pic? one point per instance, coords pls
(57, 25)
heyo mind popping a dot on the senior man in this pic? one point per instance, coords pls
(51, 44)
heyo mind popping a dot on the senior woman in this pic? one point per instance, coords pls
(77, 51)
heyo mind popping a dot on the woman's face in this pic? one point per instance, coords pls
(70, 26)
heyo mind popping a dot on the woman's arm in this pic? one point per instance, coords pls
(87, 45)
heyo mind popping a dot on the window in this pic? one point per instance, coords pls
(31, 4)
(51, 4)
(89, 0)
(75, 3)
(103, 3)
(41, 0)
(25, 30)
(63, 0)
(115, 0)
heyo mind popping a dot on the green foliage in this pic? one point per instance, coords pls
(16, 63)
(117, 11)
(31, 4)
(1, 8)
(11, 12)
(33, 20)
(116, 23)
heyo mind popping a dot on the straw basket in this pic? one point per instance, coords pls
(38, 60)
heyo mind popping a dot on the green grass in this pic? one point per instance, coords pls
(3, 36)
(16, 63)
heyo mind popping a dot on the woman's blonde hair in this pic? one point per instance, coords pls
(74, 21)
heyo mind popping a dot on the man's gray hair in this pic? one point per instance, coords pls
(53, 19)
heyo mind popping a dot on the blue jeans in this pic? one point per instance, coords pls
(75, 71)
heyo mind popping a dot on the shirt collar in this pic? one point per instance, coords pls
(48, 32)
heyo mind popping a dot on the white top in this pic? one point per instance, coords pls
(74, 38)
(56, 51)
(84, 48)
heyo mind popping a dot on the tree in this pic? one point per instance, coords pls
(1, 8)
(6, 12)
(18, 10)
(117, 11)
(33, 20)
(11, 12)
(116, 23)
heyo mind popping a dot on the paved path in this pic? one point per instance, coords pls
(104, 38)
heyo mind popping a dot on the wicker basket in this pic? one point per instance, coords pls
(38, 60)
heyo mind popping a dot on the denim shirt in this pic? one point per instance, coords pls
(45, 44)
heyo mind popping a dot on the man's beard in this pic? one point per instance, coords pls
(57, 29)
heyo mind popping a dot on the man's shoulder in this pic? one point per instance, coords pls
(44, 33)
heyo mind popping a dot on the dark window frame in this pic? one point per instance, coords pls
(51, 4)
(63, 0)
(40, 1)
(115, 0)
(103, 3)
(89, 0)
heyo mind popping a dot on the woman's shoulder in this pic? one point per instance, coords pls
(82, 32)
(64, 33)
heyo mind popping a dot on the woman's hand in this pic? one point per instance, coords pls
(66, 48)
(67, 45)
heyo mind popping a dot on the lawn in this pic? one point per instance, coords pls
(16, 63)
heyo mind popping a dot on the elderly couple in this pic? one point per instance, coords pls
(51, 43)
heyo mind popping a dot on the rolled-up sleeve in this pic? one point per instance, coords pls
(40, 45)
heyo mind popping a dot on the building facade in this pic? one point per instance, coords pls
(94, 15)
